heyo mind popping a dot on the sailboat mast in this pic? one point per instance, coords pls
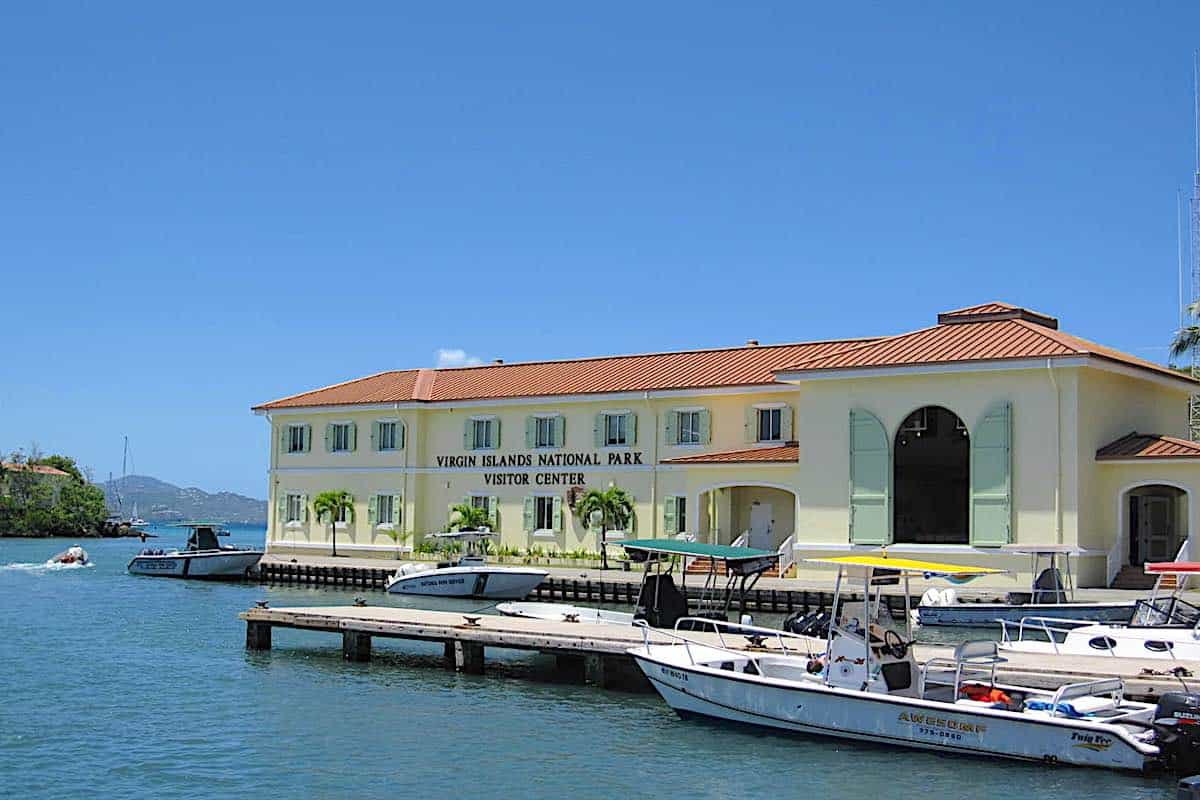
(1194, 400)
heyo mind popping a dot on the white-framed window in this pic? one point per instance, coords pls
(616, 431)
(341, 440)
(483, 433)
(297, 438)
(387, 435)
(688, 427)
(343, 515)
(385, 510)
(543, 513)
(770, 424)
(295, 508)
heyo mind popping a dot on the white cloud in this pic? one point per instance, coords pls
(455, 357)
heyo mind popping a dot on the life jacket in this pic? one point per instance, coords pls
(984, 694)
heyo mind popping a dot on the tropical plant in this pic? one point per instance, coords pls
(466, 517)
(612, 508)
(1188, 336)
(328, 506)
(399, 537)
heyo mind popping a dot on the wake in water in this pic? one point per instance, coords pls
(45, 566)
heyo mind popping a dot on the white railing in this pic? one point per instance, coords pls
(1178, 582)
(741, 540)
(716, 626)
(787, 554)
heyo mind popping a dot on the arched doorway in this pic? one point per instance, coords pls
(931, 478)
(1156, 522)
(763, 516)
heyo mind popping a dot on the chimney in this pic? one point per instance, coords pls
(497, 360)
(752, 343)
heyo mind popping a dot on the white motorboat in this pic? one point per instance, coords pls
(1051, 595)
(202, 557)
(470, 576)
(866, 685)
(1166, 627)
(660, 601)
(72, 555)
(565, 612)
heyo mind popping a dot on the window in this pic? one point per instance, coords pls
(543, 435)
(341, 438)
(385, 509)
(770, 424)
(387, 435)
(689, 427)
(478, 501)
(543, 513)
(615, 429)
(295, 508)
(674, 514)
(481, 434)
(297, 436)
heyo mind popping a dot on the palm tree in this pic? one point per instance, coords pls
(1188, 336)
(331, 505)
(466, 517)
(612, 505)
(399, 537)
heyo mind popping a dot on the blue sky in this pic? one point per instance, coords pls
(203, 209)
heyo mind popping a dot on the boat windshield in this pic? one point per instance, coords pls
(1163, 611)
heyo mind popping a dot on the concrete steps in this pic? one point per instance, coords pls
(1133, 577)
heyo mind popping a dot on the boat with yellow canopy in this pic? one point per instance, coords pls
(863, 682)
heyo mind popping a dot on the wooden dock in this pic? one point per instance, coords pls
(616, 587)
(597, 653)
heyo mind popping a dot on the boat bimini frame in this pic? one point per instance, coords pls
(660, 603)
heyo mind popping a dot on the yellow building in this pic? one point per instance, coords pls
(988, 428)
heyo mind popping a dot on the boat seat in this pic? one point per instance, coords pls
(979, 653)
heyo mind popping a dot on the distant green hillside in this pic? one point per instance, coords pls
(159, 501)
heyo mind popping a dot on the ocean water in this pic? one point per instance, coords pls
(126, 687)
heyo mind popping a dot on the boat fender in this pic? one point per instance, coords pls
(931, 597)
(949, 597)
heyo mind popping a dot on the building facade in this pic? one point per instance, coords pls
(991, 427)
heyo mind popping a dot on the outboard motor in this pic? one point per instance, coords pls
(814, 624)
(1177, 731)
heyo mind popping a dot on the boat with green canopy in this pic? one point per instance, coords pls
(731, 573)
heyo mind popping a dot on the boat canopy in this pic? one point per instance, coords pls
(462, 536)
(1173, 568)
(906, 566)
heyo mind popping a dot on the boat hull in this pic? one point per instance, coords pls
(560, 612)
(495, 583)
(983, 614)
(843, 714)
(223, 565)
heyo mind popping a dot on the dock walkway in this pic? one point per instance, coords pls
(598, 653)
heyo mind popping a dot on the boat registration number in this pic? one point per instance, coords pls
(153, 564)
(937, 727)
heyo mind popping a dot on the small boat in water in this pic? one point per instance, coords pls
(863, 683)
(72, 555)
(1163, 626)
(660, 601)
(202, 557)
(1052, 595)
(470, 576)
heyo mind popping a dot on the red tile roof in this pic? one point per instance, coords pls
(41, 469)
(995, 332)
(986, 332)
(783, 453)
(1148, 445)
(696, 369)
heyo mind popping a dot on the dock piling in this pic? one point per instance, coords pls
(465, 656)
(258, 636)
(356, 646)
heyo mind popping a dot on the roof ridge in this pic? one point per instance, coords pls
(651, 354)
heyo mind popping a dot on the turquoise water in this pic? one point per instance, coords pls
(124, 687)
